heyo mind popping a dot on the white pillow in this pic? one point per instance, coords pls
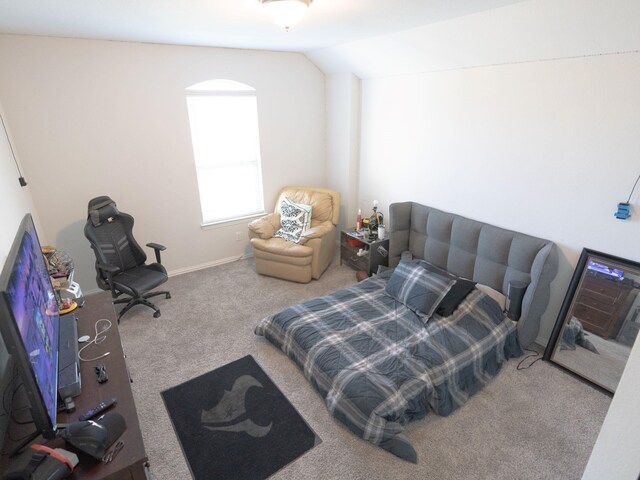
(295, 218)
(496, 295)
(308, 209)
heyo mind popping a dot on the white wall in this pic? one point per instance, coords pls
(615, 454)
(16, 202)
(109, 118)
(343, 142)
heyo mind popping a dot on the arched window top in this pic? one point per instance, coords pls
(217, 86)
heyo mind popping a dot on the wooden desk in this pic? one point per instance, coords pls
(131, 463)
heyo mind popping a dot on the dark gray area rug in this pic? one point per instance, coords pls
(233, 422)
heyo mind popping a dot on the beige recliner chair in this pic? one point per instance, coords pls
(310, 257)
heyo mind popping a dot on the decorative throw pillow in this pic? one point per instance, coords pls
(456, 295)
(295, 218)
(417, 288)
(458, 292)
(308, 209)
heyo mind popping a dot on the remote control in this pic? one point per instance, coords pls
(99, 408)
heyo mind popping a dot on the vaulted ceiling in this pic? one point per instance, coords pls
(370, 38)
(228, 23)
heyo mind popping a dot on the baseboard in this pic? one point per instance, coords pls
(541, 341)
(214, 263)
(193, 268)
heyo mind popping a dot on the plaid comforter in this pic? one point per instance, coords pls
(378, 366)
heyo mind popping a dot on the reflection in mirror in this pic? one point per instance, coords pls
(599, 319)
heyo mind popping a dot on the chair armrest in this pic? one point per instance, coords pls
(316, 232)
(264, 227)
(157, 249)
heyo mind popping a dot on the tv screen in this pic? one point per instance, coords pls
(29, 324)
(606, 269)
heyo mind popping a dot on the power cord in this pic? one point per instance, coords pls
(634, 187)
(97, 340)
(535, 354)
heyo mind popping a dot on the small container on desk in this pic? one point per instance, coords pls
(375, 252)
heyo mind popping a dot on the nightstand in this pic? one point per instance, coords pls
(377, 252)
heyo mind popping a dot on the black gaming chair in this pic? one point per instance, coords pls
(120, 262)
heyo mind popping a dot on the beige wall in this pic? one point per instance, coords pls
(16, 202)
(96, 117)
(343, 142)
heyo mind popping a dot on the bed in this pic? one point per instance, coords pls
(390, 349)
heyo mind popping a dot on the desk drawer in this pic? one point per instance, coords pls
(349, 257)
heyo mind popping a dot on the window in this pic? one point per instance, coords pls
(223, 116)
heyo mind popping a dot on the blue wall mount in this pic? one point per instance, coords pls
(624, 211)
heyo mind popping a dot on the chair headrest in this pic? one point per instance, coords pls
(102, 209)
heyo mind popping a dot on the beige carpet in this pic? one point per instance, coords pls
(537, 424)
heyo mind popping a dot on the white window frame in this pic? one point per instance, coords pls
(227, 89)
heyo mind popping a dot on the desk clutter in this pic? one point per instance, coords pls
(61, 267)
(371, 228)
(42, 388)
(39, 462)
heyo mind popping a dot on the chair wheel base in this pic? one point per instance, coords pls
(167, 296)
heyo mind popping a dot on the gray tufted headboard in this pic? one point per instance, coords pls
(481, 252)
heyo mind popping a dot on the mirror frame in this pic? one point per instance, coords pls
(568, 303)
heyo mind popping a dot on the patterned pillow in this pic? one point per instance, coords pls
(417, 288)
(295, 218)
(308, 209)
(458, 292)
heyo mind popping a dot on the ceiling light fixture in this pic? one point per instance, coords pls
(286, 13)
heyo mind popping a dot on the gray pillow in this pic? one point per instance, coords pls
(417, 288)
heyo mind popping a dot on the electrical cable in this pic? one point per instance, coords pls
(535, 354)
(97, 340)
(14, 411)
(7, 389)
(634, 187)
(23, 182)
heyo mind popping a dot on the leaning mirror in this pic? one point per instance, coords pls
(599, 319)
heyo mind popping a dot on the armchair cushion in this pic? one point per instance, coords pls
(280, 246)
(265, 227)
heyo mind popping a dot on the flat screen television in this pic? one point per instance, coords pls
(29, 325)
(606, 269)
